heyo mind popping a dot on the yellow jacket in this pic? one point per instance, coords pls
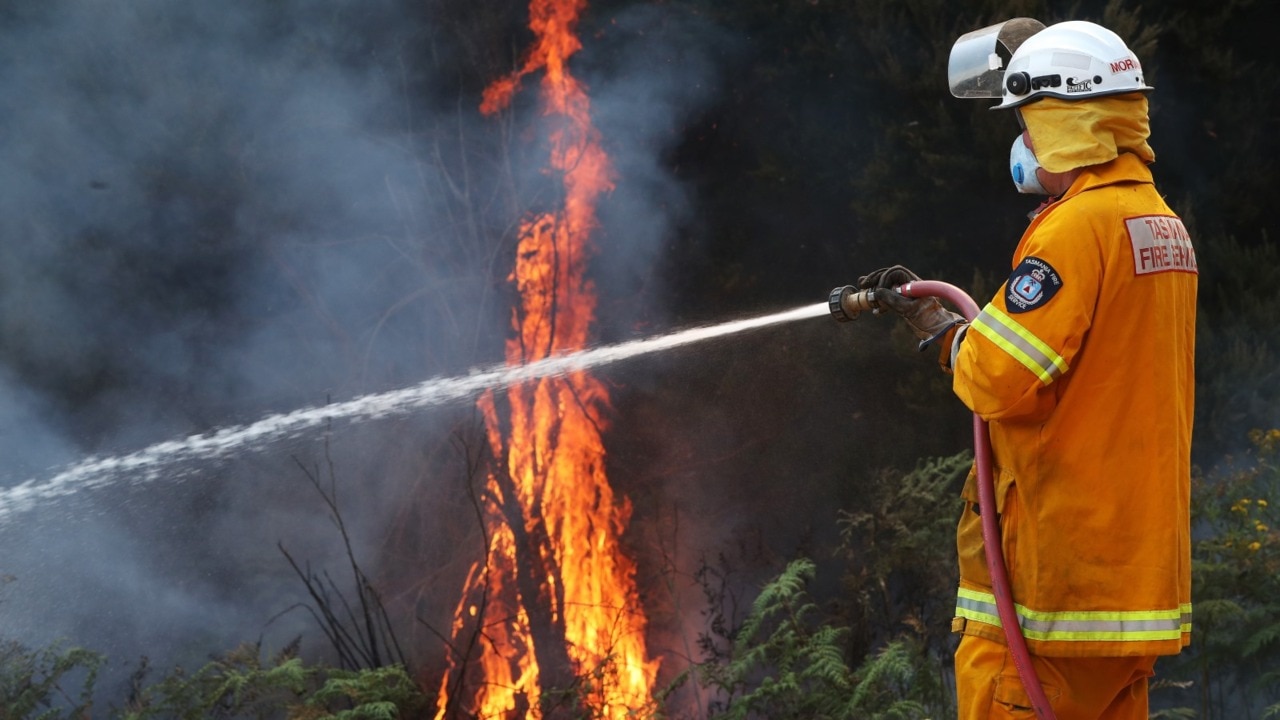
(1083, 366)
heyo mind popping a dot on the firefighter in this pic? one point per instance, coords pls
(1082, 364)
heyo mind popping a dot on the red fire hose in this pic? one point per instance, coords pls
(845, 303)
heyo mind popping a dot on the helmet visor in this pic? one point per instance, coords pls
(979, 58)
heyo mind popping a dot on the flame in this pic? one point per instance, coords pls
(555, 599)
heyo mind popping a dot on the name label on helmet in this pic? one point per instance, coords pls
(1160, 244)
(1124, 65)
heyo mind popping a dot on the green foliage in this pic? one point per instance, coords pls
(1235, 651)
(1173, 714)
(54, 682)
(783, 663)
(386, 692)
(241, 685)
(900, 554)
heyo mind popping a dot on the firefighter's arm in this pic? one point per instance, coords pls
(1007, 361)
(994, 385)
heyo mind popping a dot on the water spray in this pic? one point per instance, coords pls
(847, 303)
(168, 458)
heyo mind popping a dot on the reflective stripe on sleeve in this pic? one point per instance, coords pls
(1106, 625)
(1026, 348)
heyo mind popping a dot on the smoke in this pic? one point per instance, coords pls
(214, 212)
(650, 72)
(211, 213)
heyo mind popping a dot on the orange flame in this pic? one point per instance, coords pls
(555, 587)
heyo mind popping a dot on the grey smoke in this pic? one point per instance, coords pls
(206, 212)
(212, 212)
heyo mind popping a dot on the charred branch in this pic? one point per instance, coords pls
(360, 633)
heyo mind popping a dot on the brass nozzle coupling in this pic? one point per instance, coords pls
(847, 302)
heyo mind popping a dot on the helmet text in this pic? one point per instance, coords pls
(1124, 65)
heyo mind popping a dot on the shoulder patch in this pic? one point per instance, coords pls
(1033, 283)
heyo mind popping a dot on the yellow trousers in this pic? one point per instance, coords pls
(1086, 688)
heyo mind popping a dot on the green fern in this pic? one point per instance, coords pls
(888, 682)
(784, 663)
(371, 693)
(56, 682)
(779, 595)
(1263, 638)
(241, 685)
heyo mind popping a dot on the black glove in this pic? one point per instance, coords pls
(926, 316)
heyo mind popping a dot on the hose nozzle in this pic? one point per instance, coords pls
(847, 302)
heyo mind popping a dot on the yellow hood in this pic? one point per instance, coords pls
(1068, 134)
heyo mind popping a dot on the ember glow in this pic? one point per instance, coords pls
(552, 609)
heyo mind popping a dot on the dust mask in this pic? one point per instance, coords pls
(1023, 166)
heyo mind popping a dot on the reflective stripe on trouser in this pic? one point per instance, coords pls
(1009, 335)
(1094, 625)
(1098, 688)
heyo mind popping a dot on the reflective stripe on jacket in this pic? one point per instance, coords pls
(1083, 366)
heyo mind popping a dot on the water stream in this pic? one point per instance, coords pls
(151, 462)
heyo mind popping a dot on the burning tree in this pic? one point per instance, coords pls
(553, 605)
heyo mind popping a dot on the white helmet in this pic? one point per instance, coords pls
(1071, 60)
